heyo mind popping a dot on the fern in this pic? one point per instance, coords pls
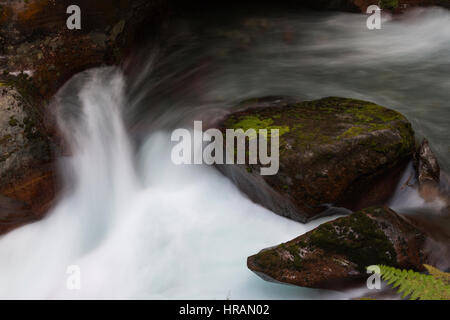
(438, 274)
(435, 286)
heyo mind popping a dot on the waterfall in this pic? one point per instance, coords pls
(159, 231)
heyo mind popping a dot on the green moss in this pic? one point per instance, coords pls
(30, 129)
(310, 125)
(379, 126)
(13, 122)
(307, 138)
(24, 85)
(358, 237)
(254, 122)
(401, 148)
(370, 113)
(298, 263)
(5, 139)
(268, 259)
(352, 132)
(294, 252)
(388, 4)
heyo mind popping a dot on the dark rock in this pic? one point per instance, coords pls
(26, 155)
(13, 213)
(427, 171)
(427, 166)
(336, 253)
(37, 39)
(334, 153)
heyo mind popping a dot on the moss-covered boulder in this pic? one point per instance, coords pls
(334, 153)
(336, 253)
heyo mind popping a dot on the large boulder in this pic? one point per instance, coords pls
(334, 153)
(337, 253)
(27, 177)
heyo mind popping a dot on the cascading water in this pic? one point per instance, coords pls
(138, 226)
(179, 232)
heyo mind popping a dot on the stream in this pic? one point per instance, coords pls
(138, 226)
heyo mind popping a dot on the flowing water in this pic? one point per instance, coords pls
(138, 226)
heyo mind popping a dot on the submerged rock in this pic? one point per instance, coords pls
(335, 153)
(337, 253)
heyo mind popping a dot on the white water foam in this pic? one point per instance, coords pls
(176, 232)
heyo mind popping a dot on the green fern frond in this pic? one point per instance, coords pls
(414, 285)
(438, 274)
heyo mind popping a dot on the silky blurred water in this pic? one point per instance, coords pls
(218, 61)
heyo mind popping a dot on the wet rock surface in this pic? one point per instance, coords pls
(335, 153)
(38, 42)
(26, 154)
(428, 172)
(337, 253)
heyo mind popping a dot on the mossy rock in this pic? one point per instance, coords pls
(336, 253)
(389, 4)
(334, 152)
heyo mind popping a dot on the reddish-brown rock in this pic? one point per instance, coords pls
(336, 254)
